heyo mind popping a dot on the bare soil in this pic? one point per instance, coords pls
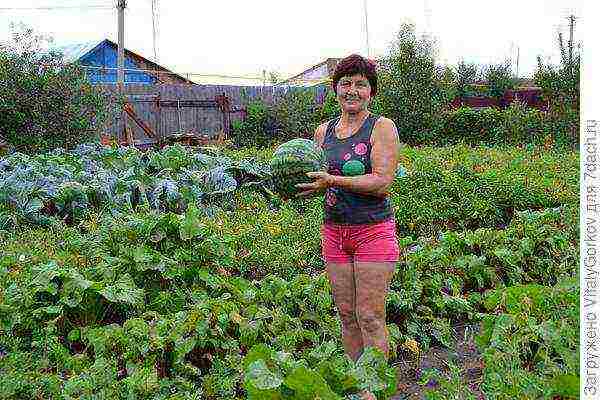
(463, 353)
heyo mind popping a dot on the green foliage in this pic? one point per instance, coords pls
(256, 128)
(297, 114)
(522, 124)
(45, 103)
(466, 74)
(331, 106)
(534, 330)
(499, 79)
(68, 185)
(448, 89)
(294, 114)
(276, 375)
(472, 126)
(438, 274)
(409, 88)
(560, 88)
(461, 188)
(148, 303)
(516, 124)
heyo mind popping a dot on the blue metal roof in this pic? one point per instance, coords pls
(74, 52)
(101, 59)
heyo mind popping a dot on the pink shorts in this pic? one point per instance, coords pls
(366, 242)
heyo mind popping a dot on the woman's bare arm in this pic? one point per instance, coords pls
(319, 135)
(384, 161)
(318, 138)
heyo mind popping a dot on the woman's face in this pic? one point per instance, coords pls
(354, 93)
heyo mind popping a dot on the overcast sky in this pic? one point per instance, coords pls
(245, 37)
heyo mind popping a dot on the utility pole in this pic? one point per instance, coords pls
(121, 62)
(517, 61)
(121, 59)
(154, 23)
(428, 30)
(367, 29)
(571, 25)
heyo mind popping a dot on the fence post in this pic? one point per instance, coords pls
(158, 118)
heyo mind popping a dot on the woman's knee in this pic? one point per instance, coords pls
(371, 321)
(348, 317)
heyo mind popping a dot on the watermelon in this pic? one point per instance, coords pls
(290, 163)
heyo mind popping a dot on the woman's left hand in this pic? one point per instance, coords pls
(323, 180)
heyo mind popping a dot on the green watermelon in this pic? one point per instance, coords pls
(290, 163)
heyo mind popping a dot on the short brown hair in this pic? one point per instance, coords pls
(356, 64)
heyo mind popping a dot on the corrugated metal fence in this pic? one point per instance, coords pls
(172, 120)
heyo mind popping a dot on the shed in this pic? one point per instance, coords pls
(315, 75)
(100, 60)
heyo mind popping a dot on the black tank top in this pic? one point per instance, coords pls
(348, 157)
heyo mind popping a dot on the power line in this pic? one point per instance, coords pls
(56, 8)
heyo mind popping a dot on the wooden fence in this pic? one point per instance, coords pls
(531, 96)
(171, 120)
(198, 117)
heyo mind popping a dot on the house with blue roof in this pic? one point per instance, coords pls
(100, 61)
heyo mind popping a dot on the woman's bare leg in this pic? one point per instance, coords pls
(341, 278)
(372, 284)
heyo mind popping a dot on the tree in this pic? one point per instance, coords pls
(44, 103)
(499, 79)
(560, 88)
(466, 74)
(410, 90)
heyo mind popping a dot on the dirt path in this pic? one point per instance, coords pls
(463, 354)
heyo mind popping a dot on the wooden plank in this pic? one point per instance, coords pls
(208, 119)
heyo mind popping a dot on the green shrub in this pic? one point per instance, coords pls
(44, 103)
(254, 129)
(294, 115)
(472, 126)
(331, 107)
(499, 79)
(466, 75)
(523, 124)
(517, 124)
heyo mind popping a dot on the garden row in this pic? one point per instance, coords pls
(136, 301)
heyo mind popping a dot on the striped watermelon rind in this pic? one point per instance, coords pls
(290, 163)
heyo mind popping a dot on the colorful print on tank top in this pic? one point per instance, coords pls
(352, 157)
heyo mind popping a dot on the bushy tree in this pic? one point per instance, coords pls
(44, 103)
(410, 90)
(446, 77)
(466, 74)
(560, 89)
(499, 78)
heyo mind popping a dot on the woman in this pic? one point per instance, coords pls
(359, 241)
